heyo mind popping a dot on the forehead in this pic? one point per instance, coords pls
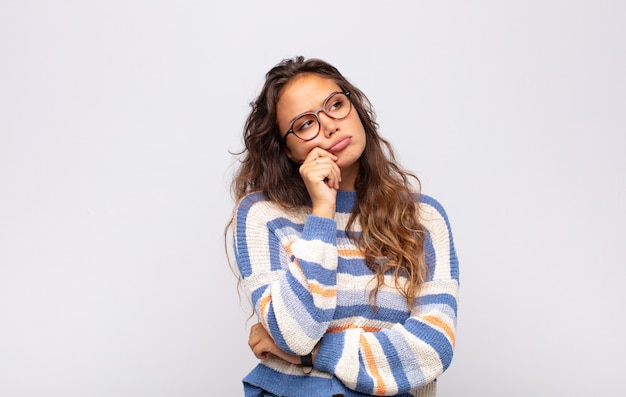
(305, 92)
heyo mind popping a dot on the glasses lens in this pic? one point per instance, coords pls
(306, 126)
(338, 106)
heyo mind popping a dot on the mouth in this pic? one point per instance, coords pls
(340, 145)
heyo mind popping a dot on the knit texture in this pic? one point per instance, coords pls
(308, 281)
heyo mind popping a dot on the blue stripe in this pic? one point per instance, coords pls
(345, 201)
(327, 357)
(440, 299)
(275, 250)
(364, 311)
(411, 373)
(282, 223)
(257, 294)
(454, 263)
(430, 255)
(322, 229)
(281, 384)
(314, 271)
(365, 382)
(241, 245)
(302, 297)
(395, 361)
(273, 325)
(435, 338)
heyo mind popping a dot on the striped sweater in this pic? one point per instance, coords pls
(308, 282)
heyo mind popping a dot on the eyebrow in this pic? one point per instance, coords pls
(311, 111)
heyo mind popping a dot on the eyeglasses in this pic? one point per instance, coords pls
(307, 126)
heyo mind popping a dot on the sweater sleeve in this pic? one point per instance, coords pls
(291, 282)
(411, 354)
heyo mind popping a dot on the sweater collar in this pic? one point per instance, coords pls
(346, 200)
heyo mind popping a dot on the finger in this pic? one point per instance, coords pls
(261, 349)
(318, 153)
(322, 167)
(254, 336)
(255, 345)
(332, 175)
(260, 354)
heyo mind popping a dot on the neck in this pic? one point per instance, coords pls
(348, 177)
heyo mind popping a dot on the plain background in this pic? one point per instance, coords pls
(116, 121)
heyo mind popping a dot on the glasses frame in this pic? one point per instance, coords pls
(316, 114)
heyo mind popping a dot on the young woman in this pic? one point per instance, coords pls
(351, 272)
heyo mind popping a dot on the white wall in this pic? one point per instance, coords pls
(116, 119)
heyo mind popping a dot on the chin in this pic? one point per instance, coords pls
(347, 163)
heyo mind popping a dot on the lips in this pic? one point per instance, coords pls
(340, 145)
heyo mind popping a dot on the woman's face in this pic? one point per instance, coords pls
(344, 138)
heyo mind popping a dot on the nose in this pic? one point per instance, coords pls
(328, 125)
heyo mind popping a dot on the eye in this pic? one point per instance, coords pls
(336, 104)
(304, 123)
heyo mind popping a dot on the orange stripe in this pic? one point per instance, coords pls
(351, 326)
(371, 363)
(325, 292)
(263, 305)
(436, 321)
(350, 253)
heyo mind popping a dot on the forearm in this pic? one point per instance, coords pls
(400, 358)
(297, 278)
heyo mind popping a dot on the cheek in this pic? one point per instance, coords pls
(359, 130)
(298, 153)
(355, 125)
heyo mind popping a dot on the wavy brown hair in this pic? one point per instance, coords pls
(391, 238)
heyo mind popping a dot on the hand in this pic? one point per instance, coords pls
(321, 176)
(262, 344)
